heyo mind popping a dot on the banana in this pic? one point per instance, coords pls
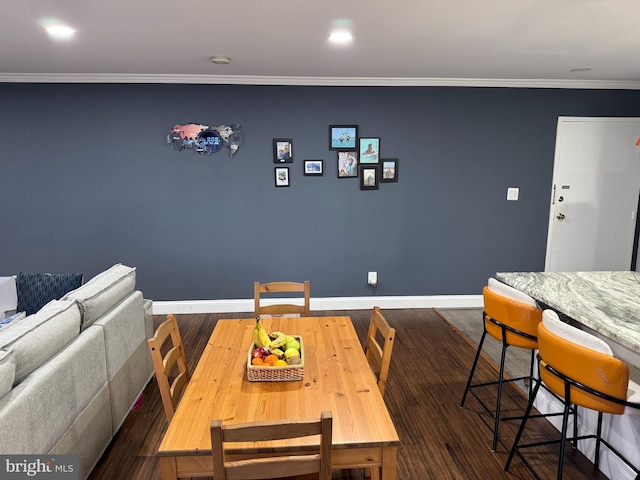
(263, 336)
(277, 352)
(278, 339)
(256, 337)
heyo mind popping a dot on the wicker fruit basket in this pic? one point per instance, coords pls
(288, 373)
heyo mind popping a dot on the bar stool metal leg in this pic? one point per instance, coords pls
(516, 441)
(473, 368)
(563, 435)
(496, 423)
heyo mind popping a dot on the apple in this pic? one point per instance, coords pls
(260, 352)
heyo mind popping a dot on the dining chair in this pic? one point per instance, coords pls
(171, 369)
(580, 368)
(282, 308)
(511, 317)
(255, 465)
(378, 347)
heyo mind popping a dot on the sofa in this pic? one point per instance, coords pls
(71, 372)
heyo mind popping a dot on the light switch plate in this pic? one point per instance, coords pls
(513, 193)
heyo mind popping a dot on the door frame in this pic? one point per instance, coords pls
(632, 260)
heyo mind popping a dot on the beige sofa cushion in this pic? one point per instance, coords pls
(40, 336)
(7, 371)
(102, 292)
(38, 411)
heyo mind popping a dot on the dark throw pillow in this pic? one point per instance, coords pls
(35, 290)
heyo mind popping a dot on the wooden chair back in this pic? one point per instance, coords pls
(378, 347)
(171, 369)
(261, 467)
(283, 308)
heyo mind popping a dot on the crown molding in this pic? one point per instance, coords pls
(319, 81)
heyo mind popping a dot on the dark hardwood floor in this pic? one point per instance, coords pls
(429, 370)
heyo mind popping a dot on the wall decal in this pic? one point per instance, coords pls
(204, 139)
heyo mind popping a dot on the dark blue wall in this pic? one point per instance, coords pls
(88, 181)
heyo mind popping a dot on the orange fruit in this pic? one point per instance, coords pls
(270, 359)
(257, 361)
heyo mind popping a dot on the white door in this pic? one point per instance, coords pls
(594, 194)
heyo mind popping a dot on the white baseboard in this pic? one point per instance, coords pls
(331, 303)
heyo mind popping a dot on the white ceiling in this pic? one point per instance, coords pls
(415, 42)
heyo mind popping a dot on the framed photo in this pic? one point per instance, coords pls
(343, 137)
(369, 177)
(389, 168)
(282, 176)
(282, 150)
(313, 167)
(348, 164)
(369, 149)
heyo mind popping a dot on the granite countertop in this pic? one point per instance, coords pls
(606, 302)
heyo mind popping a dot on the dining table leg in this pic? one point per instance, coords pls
(168, 468)
(389, 463)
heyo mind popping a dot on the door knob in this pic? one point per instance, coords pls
(560, 216)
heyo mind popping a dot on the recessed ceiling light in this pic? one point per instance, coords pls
(341, 37)
(60, 32)
(220, 59)
(580, 69)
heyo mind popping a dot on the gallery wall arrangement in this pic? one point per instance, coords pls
(356, 157)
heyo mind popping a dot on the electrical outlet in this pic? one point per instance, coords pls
(372, 279)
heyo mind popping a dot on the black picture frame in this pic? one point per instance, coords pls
(343, 137)
(282, 150)
(282, 176)
(369, 176)
(348, 164)
(369, 149)
(314, 168)
(389, 170)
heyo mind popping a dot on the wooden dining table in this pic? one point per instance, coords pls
(337, 377)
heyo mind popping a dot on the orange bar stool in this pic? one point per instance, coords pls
(581, 369)
(511, 317)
